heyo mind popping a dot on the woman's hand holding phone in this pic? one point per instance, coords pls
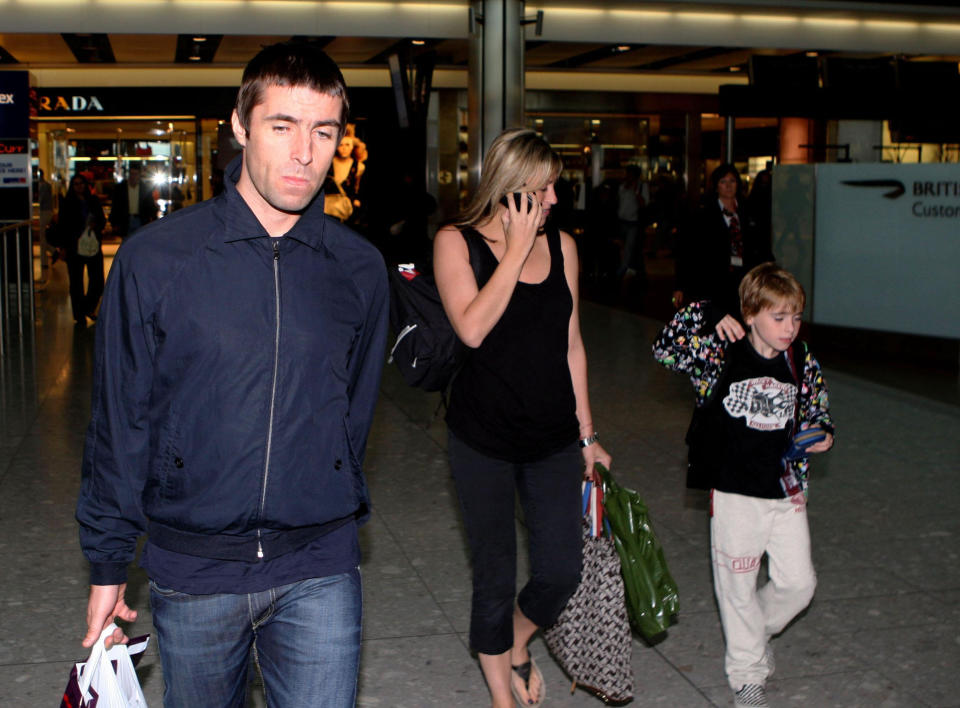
(521, 221)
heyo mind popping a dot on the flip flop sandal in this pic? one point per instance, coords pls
(524, 671)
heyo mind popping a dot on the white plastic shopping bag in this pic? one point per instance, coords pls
(107, 679)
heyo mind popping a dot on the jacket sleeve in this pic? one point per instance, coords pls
(114, 469)
(681, 347)
(814, 397)
(366, 362)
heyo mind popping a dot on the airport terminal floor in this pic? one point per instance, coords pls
(883, 629)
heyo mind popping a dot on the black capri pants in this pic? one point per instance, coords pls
(550, 496)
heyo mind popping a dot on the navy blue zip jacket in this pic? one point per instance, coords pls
(235, 380)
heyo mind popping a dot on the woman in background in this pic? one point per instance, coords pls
(719, 246)
(79, 209)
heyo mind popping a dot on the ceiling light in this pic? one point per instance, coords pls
(734, 68)
(834, 22)
(418, 42)
(812, 54)
(624, 48)
(199, 39)
(782, 19)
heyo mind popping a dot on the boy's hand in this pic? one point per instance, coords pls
(823, 445)
(728, 329)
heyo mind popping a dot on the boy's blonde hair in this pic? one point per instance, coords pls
(769, 285)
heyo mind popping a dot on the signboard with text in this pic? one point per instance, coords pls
(14, 180)
(887, 247)
(14, 104)
(14, 146)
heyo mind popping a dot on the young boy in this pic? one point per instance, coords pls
(748, 410)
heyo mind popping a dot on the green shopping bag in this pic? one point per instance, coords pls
(652, 597)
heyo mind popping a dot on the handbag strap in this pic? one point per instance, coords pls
(592, 505)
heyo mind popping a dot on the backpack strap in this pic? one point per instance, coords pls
(478, 251)
(476, 248)
(797, 349)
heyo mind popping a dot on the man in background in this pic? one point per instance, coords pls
(133, 204)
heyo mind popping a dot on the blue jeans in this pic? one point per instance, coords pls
(306, 639)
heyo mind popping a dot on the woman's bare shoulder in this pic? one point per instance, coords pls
(448, 239)
(567, 242)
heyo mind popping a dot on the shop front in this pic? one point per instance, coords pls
(170, 133)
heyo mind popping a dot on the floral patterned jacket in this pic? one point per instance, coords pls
(688, 344)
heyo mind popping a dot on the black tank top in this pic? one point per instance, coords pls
(513, 399)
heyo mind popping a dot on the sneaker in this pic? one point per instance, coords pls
(751, 695)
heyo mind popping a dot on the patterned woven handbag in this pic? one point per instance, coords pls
(591, 640)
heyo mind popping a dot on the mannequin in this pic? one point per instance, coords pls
(347, 169)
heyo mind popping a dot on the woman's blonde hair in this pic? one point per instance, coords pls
(518, 160)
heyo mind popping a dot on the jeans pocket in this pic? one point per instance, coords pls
(165, 592)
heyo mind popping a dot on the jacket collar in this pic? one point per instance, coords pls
(240, 223)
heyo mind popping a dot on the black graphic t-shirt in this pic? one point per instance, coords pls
(755, 420)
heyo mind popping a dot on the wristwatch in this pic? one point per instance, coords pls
(590, 440)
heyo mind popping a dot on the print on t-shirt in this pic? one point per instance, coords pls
(764, 402)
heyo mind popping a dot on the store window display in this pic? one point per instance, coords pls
(342, 188)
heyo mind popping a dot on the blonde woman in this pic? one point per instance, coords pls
(519, 417)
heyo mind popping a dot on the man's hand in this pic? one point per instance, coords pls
(106, 602)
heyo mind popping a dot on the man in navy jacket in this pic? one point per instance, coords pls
(239, 352)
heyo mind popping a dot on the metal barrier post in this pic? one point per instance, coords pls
(30, 281)
(4, 293)
(18, 264)
(16, 231)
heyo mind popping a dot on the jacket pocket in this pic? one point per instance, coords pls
(353, 463)
(171, 460)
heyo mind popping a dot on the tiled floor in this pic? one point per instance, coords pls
(883, 630)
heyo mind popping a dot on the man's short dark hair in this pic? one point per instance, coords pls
(290, 64)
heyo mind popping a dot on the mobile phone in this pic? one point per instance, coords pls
(517, 196)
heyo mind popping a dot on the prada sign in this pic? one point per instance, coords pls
(68, 104)
(108, 101)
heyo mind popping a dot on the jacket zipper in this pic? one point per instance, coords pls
(273, 389)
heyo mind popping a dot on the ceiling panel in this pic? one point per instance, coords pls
(552, 52)
(357, 50)
(234, 51)
(38, 48)
(735, 57)
(144, 49)
(453, 52)
(643, 56)
(240, 49)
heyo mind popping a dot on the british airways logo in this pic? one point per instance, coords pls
(894, 185)
(928, 189)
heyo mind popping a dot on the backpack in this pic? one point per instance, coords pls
(699, 439)
(426, 350)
